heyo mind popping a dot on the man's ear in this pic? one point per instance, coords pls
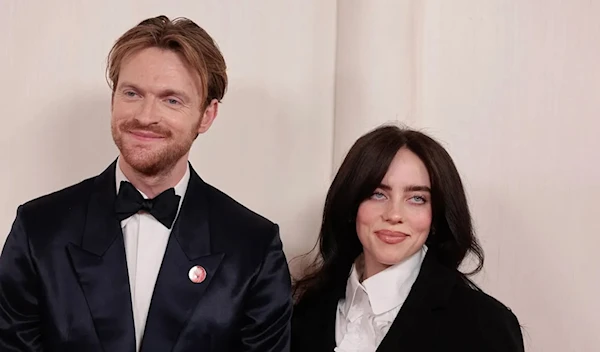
(210, 114)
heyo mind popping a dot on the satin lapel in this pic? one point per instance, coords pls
(175, 296)
(100, 263)
(413, 326)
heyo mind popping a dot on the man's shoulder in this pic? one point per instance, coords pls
(237, 228)
(225, 207)
(48, 218)
(58, 200)
(45, 216)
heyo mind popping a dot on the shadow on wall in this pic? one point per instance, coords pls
(498, 216)
(258, 152)
(60, 144)
(77, 139)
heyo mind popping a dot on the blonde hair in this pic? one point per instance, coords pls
(182, 36)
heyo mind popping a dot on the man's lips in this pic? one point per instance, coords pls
(145, 135)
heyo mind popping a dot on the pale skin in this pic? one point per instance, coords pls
(394, 223)
(157, 113)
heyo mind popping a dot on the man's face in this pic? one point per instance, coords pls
(157, 110)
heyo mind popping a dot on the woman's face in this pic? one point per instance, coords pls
(394, 222)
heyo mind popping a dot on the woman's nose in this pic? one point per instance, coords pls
(393, 213)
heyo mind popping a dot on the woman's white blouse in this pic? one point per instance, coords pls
(365, 315)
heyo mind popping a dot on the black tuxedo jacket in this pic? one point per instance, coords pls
(441, 313)
(64, 283)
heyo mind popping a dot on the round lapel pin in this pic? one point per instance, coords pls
(197, 274)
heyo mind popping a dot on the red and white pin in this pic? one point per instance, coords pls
(197, 274)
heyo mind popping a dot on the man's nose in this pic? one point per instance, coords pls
(148, 113)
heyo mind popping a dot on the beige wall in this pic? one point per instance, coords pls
(512, 88)
(280, 55)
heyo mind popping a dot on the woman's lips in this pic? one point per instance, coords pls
(391, 237)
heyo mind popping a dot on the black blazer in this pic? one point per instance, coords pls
(64, 283)
(441, 313)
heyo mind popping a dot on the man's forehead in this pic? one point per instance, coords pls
(160, 72)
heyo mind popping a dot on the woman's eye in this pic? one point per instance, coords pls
(418, 199)
(378, 195)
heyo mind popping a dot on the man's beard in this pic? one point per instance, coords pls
(151, 161)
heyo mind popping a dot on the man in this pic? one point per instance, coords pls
(146, 256)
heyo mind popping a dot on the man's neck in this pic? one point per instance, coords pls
(154, 185)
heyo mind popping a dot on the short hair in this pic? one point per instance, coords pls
(182, 36)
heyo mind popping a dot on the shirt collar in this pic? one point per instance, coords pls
(180, 188)
(387, 289)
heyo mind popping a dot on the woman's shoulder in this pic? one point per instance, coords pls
(460, 294)
(495, 322)
(480, 302)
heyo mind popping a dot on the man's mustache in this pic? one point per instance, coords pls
(135, 125)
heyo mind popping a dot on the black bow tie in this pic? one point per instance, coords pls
(163, 207)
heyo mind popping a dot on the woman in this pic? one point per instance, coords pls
(396, 226)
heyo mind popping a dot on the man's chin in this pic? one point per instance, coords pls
(145, 164)
(149, 160)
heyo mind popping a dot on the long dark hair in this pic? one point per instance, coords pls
(451, 237)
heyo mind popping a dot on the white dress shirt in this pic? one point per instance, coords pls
(369, 308)
(145, 243)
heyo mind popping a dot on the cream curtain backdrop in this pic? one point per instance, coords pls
(510, 87)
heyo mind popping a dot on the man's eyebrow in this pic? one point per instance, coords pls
(163, 93)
